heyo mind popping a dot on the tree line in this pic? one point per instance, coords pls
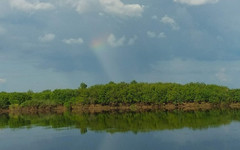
(123, 93)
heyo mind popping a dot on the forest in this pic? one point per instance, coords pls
(123, 93)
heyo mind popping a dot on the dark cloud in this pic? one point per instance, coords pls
(208, 33)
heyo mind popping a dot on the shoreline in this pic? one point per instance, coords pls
(137, 107)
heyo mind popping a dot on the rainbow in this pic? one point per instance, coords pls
(100, 48)
(99, 44)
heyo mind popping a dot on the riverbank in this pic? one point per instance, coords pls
(138, 107)
(132, 93)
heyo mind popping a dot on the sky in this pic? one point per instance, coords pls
(51, 44)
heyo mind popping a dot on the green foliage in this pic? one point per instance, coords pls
(64, 95)
(40, 103)
(133, 82)
(46, 95)
(4, 100)
(124, 93)
(68, 104)
(18, 98)
(14, 106)
(83, 86)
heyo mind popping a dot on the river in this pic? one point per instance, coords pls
(165, 130)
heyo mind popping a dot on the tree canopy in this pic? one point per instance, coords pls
(126, 93)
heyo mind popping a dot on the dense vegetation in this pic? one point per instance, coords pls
(124, 122)
(124, 93)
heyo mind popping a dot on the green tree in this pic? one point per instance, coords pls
(83, 86)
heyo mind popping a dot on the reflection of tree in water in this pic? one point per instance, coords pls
(124, 122)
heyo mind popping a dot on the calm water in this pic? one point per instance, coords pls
(217, 129)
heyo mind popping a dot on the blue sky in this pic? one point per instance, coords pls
(49, 44)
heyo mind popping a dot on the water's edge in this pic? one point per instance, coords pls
(138, 107)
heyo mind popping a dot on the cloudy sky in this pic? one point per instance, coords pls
(49, 44)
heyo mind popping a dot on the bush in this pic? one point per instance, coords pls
(40, 103)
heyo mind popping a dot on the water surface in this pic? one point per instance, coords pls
(216, 129)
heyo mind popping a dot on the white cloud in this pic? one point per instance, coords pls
(112, 41)
(170, 21)
(154, 17)
(82, 6)
(221, 75)
(113, 7)
(132, 40)
(151, 34)
(161, 35)
(47, 37)
(2, 80)
(27, 6)
(73, 41)
(117, 7)
(196, 2)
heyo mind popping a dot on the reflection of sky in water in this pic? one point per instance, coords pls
(38, 138)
